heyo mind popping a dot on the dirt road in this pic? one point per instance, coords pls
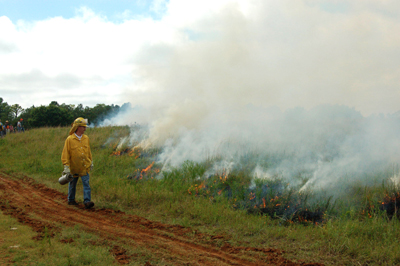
(25, 199)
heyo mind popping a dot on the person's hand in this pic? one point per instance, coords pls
(66, 171)
(91, 167)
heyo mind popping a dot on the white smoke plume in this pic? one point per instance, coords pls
(298, 83)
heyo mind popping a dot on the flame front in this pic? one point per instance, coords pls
(147, 168)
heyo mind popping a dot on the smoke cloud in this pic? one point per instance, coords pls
(308, 90)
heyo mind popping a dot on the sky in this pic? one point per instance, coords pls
(162, 53)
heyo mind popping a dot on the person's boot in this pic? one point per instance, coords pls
(89, 205)
(72, 202)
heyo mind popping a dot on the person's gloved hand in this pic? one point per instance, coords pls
(91, 167)
(66, 171)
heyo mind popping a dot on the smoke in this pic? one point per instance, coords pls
(293, 87)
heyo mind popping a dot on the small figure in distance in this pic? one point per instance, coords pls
(22, 125)
(19, 126)
(1, 129)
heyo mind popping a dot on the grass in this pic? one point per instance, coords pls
(18, 248)
(354, 229)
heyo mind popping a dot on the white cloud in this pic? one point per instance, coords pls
(93, 51)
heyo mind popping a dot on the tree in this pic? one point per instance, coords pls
(5, 110)
(50, 116)
(79, 111)
(16, 109)
(56, 114)
(27, 116)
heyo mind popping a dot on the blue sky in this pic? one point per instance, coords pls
(34, 10)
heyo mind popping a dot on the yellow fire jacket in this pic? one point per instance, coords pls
(77, 155)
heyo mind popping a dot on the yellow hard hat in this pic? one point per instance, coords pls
(79, 122)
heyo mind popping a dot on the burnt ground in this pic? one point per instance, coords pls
(41, 207)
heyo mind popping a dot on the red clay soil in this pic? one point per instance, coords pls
(25, 199)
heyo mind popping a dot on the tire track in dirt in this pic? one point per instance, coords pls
(24, 199)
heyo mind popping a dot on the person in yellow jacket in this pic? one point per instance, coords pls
(77, 160)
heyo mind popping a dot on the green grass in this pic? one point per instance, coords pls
(18, 248)
(354, 229)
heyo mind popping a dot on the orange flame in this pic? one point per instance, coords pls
(252, 195)
(201, 185)
(147, 168)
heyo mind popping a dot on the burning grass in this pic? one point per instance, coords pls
(273, 198)
(144, 170)
(148, 172)
(390, 205)
(136, 152)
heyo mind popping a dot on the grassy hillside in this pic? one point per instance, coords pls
(347, 231)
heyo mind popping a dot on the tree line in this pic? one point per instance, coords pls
(56, 114)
